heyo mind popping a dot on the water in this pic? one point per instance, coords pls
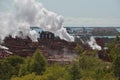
(118, 29)
(105, 36)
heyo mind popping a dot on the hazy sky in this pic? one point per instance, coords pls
(80, 12)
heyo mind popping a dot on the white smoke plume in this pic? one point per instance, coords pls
(27, 13)
(3, 47)
(93, 44)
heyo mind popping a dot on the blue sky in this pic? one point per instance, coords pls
(80, 12)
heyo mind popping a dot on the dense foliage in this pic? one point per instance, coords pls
(87, 66)
(116, 67)
(36, 64)
(10, 67)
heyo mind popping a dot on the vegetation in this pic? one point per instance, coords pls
(114, 49)
(5, 70)
(116, 67)
(9, 67)
(78, 49)
(74, 71)
(36, 64)
(86, 67)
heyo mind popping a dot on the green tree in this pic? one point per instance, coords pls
(37, 64)
(115, 51)
(113, 44)
(92, 67)
(9, 67)
(74, 71)
(78, 49)
(25, 67)
(56, 72)
(15, 62)
(6, 70)
(116, 67)
(31, 76)
(53, 72)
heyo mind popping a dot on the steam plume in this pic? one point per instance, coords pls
(31, 12)
(93, 44)
(3, 47)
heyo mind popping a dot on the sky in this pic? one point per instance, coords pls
(80, 12)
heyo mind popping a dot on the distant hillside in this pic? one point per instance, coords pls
(94, 31)
(108, 31)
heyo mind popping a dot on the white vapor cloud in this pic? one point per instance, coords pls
(31, 12)
(93, 44)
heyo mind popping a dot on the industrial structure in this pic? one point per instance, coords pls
(52, 47)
